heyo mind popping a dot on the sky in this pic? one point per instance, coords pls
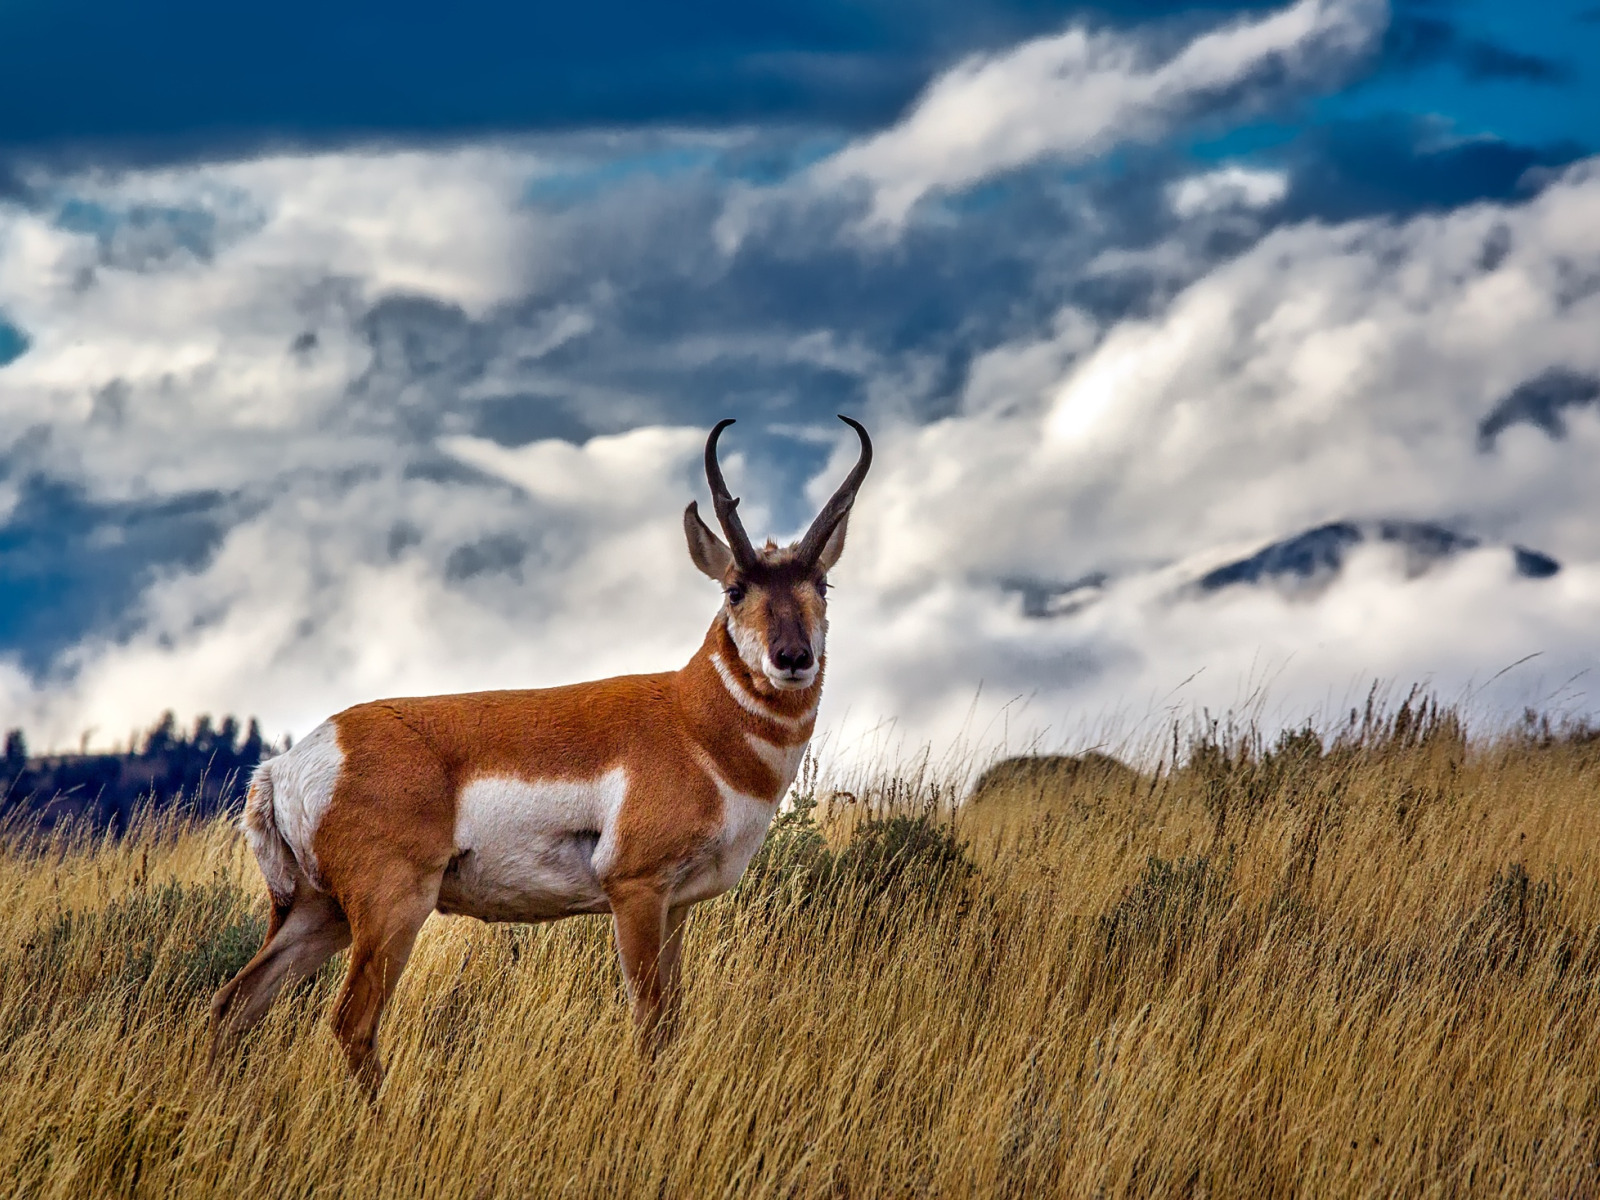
(1219, 358)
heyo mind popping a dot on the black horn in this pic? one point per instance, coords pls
(744, 555)
(838, 506)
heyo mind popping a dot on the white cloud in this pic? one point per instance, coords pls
(1227, 187)
(1329, 373)
(305, 608)
(197, 345)
(1070, 97)
(381, 543)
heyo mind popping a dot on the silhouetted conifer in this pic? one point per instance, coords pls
(203, 771)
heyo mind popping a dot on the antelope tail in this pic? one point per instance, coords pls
(261, 831)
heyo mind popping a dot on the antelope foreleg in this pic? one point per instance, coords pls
(641, 920)
(670, 966)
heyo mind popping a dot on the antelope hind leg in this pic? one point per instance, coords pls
(383, 937)
(312, 930)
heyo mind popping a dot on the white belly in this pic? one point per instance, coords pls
(532, 851)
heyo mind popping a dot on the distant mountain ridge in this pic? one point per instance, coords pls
(1301, 561)
(1321, 552)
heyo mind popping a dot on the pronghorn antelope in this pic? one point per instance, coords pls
(637, 796)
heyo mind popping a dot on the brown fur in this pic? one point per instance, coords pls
(388, 835)
(384, 845)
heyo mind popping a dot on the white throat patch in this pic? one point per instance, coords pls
(753, 653)
(750, 702)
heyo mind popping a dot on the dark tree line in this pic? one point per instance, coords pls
(203, 769)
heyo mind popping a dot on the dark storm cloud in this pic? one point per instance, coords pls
(663, 326)
(798, 323)
(1400, 165)
(1418, 40)
(1542, 402)
(143, 236)
(171, 78)
(520, 418)
(71, 566)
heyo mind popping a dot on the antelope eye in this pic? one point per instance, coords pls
(822, 585)
(735, 593)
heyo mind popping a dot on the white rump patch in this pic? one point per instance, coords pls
(302, 783)
(261, 834)
(530, 851)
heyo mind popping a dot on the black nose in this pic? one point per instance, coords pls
(797, 659)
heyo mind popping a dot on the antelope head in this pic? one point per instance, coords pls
(774, 598)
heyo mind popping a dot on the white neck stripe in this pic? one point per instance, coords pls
(708, 764)
(780, 760)
(749, 703)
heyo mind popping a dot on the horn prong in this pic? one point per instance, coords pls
(838, 505)
(726, 506)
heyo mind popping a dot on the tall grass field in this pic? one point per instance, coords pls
(1362, 963)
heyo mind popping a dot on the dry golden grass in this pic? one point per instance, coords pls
(1375, 972)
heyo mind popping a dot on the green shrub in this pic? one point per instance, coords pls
(165, 943)
(1165, 907)
(916, 854)
(795, 849)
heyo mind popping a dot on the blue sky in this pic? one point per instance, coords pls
(182, 78)
(307, 315)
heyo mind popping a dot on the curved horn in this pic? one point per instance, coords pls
(838, 506)
(744, 555)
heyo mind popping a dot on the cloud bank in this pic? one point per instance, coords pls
(1077, 94)
(290, 433)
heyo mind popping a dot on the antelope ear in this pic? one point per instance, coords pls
(833, 547)
(706, 548)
